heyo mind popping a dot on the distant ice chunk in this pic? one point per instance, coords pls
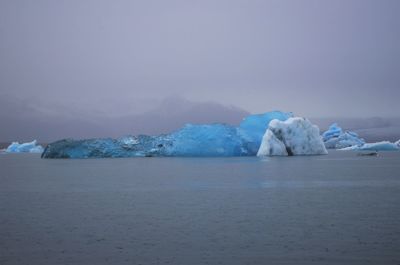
(398, 143)
(378, 146)
(29, 147)
(345, 139)
(295, 136)
(336, 138)
(334, 131)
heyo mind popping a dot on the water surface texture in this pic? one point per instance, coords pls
(335, 209)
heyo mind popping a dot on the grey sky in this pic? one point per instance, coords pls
(313, 57)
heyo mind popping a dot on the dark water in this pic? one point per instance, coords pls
(334, 209)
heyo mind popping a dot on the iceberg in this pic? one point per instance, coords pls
(191, 140)
(206, 140)
(254, 126)
(295, 136)
(378, 146)
(29, 147)
(336, 138)
(334, 131)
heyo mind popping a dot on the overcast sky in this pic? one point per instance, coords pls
(316, 58)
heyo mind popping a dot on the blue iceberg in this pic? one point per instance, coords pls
(191, 140)
(378, 146)
(333, 131)
(336, 138)
(29, 147)
(253, 127)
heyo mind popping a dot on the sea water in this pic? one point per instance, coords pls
(334, 209)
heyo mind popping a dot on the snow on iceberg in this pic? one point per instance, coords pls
(272, 146)
(29, 147)
(336, 138)
(398, 143)
(378, 146)
(295, 136)
(191, 140)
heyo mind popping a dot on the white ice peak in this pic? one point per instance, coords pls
(295, 136)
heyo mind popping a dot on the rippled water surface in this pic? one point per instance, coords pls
(335, 209)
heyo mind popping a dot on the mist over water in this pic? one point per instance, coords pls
(31, 121)
(96, 68)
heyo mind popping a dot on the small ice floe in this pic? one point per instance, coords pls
(378, 146)
(336, 138)
(29, 147)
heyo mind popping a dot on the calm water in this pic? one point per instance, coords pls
(334, 209)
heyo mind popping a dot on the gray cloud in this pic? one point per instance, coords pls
(114, 58)
(27, 120)
(30, 122)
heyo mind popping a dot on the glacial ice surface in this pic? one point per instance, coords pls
(29, 147)
(334, 131)
(191, 140)
(378, 146)
(295, 136)
(253, 127)
(336, 138)
(271, 146)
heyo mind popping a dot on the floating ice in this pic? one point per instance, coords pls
(334, 131)
(191, 140)
(378, 146)
(30, 147)
(344, 140)
(295, 136)
(335, 138)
